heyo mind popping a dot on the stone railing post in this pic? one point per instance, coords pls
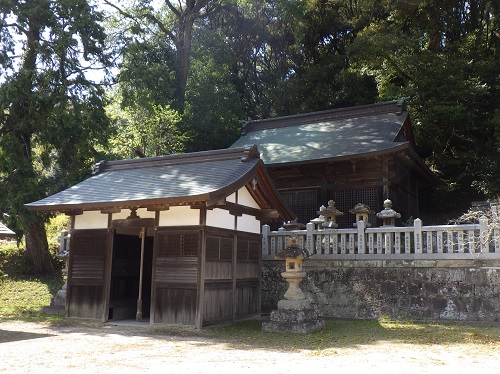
(484, 234)
(265, 240)
(361, 237)
(309, 238)
(418, 239)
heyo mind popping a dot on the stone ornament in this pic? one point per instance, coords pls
(330, 215)
(388, 215)
(361, 211)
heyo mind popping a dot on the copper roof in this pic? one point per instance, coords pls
(339, 133)
(185, 179)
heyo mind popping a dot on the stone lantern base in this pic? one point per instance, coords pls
(296, 316)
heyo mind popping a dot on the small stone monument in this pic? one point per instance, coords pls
(388, 215)
(295, 313)
(361, 211)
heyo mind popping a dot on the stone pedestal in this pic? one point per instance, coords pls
(295, 316)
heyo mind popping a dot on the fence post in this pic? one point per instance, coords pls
(417, 231)
(483, 234)
(309, 238)
(265, 240)
(361, 237)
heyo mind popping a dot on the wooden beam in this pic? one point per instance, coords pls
(158, 208)
(111, 210)
(133, 223)
(76, 212)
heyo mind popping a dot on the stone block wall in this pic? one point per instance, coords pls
(438, 290)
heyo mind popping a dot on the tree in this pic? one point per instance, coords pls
(51, 114)
(291, 57)
(444, 57)
(176, 23)
(145, 132)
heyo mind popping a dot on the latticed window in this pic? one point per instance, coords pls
(248, 250)
(304, 203)
(177, 244)
(345, 200)
(219, 248)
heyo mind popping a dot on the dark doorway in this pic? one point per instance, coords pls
(125, 273)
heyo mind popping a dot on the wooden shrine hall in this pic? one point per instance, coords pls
(170, 239)
(362, 154)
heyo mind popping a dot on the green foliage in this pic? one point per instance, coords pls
(146, 75)
(146, 132)
(444, 58)
(51, 116)
(53, 229)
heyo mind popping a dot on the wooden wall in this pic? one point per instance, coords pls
(370, 181)
(175, 276)
(90, 255)
(199, 275)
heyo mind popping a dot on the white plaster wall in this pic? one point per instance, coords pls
(244, 198)
(220, 218)
(249, 224)
(93, 219)
(231, 198)
(141, 212)
(179, 216)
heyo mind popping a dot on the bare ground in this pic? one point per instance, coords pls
(37, 347)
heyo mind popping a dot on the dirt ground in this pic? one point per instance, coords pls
(37, 347)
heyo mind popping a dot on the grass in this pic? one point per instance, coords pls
(358, 333)
(23, 295)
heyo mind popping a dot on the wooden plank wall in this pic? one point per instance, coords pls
(86, 273)
(248, 276)
(175, 279)
(218, 297)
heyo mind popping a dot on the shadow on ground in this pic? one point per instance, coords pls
(7, 336)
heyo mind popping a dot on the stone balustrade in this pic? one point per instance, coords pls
(387, 242)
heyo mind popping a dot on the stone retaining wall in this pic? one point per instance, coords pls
(438, 290)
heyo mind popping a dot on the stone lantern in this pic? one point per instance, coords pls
(361, 211)
(330, 214)
(295, 313)
(293, 225)
(388, 215)
(318, 222)
(293, 274)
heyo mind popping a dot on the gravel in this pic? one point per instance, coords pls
(77, 348)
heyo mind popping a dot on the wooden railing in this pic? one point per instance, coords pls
(417, 241)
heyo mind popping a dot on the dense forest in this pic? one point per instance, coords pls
(84, 80)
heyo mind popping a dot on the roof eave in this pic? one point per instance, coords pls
(362, 155)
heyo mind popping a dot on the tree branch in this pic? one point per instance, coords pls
(147, 15)
(172, 8)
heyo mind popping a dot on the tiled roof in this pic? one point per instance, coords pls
(5, 232)
(329, 134)
(193, 177)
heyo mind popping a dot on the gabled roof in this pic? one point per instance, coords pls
(333, 134)
(205, 178)
(5, 232)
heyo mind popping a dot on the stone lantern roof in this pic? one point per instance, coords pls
(292, 250)
(388, 215)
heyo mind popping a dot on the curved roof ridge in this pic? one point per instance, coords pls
(244, 153)
(395, 106)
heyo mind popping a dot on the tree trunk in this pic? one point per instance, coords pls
(37, 248)
(183, 46)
